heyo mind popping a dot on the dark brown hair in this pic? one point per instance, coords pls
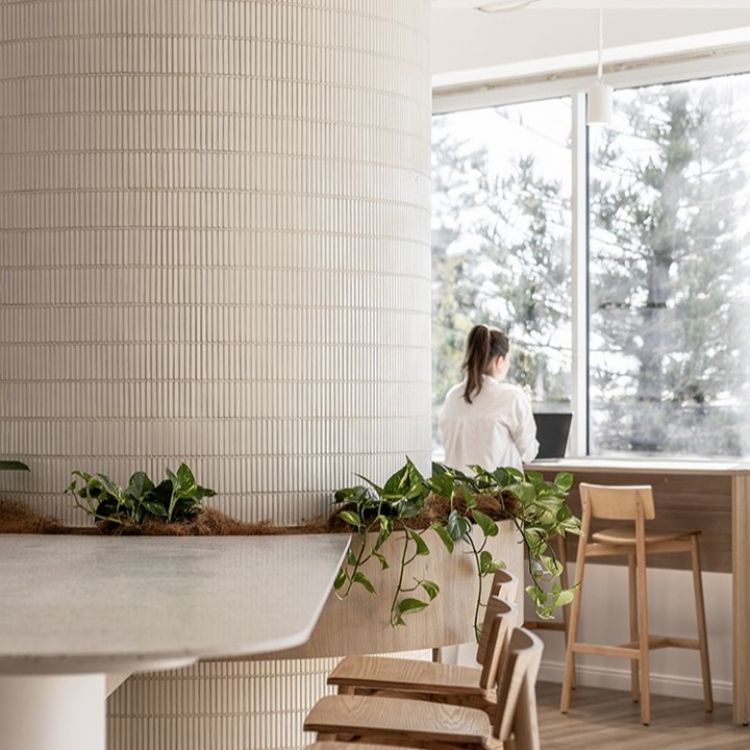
(483, 345)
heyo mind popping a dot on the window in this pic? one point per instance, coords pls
(668, 233)
(501, 242)
(669, 199)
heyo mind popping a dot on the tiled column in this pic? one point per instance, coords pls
(214, 247)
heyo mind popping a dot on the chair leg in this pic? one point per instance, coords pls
(526, 722)
(562, 556)
(575, 609)
(700, 611)
(643, 632)
(633, 607)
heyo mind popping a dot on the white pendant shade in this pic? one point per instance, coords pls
(599, 95)
(599, 104)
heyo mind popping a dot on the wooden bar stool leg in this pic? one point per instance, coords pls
(575, 609)
(640, 565)
(633, 606)
(700, 612)
(562, 556)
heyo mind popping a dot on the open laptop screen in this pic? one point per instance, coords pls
(552, 433)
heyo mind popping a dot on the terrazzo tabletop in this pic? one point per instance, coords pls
(71, 604)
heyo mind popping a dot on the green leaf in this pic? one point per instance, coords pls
(410, 605)
(487, 565)
(351, 518)
(396, 481)
(13, 466)
(416, 537)
(155, 509)
(386, 529)
(340, 579)
(409, 507)
(377, 489)
(381, 559)
(444, 536)
(438, 469)
(488, 526)
(442, 485)
(430, 587)
(364, 581)
(185, 478)
(564, 481)
(353, 494)
(458, 526)
(564, 597)
(106, 507)
(139, 485)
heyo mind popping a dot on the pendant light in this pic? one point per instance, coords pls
(599, 95)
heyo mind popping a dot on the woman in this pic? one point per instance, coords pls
(485, 421)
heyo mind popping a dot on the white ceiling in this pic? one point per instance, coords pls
(596, 4)
(465, 41)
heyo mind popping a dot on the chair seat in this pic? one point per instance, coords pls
(383, 673)
(627, 536)
(404, 720)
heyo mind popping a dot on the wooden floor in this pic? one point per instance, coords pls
(609, 720)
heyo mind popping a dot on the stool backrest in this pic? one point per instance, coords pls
(617, 503)
(500, 619)
(516, 691)
(504, 588)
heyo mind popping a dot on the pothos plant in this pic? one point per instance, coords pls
(177, 498)
(537, 507)
(7, 465)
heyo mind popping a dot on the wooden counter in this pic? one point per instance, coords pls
(712, 496)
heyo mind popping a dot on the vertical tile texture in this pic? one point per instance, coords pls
(214, 247)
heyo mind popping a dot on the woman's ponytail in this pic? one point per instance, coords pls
(482, 346)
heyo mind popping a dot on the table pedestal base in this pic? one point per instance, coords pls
(51, 712)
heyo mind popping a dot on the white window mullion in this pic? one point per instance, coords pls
(578, 442)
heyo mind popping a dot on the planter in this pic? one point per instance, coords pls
(360, 624)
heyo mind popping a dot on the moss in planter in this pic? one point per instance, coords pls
(16, 518)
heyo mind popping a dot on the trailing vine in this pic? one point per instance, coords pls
(448, 504)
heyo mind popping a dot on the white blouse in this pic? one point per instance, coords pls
(496, 429)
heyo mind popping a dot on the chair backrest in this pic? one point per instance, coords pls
(497, 626)
(505, 585)
(516, 712)
(500, 588)
(617, 503)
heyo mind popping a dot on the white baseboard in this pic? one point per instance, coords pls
(619, 679)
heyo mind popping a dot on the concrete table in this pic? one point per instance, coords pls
(73, 609)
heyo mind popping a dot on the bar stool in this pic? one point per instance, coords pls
(635, 504)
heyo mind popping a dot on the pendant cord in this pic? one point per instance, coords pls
(600, 67)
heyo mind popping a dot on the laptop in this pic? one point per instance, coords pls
(552, 433)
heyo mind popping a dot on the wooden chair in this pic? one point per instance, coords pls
(425, 724)
(413, 678)
(635, 504)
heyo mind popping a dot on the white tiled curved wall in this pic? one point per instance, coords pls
(214, 247)
(214, 243)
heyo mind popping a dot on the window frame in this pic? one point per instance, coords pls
(697, 65)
